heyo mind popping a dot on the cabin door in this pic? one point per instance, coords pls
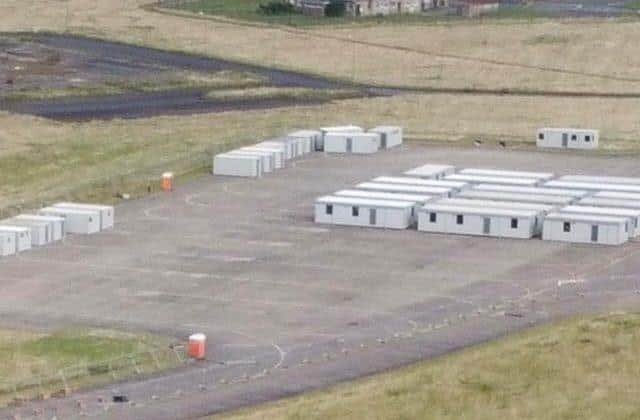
(349, 145)
(486, 225)
(594, 233)
(565, 140)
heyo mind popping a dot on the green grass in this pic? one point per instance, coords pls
(633, 5)
(34, 364)
(578, 369)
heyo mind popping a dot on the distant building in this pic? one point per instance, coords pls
(369, 7)
(474, 8)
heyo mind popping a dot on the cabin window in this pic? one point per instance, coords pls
(329, 209)
(355, 211)
(587, 138)
(459, 219)
(433, 217)
(514, 223)
(574, 137)
(566, 227)
(541, 136)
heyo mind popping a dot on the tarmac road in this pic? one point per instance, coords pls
(290, 305)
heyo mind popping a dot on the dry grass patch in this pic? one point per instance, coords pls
(583, 368)
(494, 54)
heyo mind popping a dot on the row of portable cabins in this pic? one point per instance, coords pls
(265, 157)
(51, 224)
(503, 206)
(353, 139)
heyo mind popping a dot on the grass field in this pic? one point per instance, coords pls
(34, 364)
(578, 369)
(602, 55)
(161, 82)
(42, 160)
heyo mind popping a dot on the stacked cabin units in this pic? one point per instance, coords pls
(568, 138)
(358, 143)
(585, 228)
(366, 212)
(390, 136)
(431, 171)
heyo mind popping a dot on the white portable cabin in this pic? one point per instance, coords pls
(277, 156)
(285, 147)
(531, 190)
(581, 228)
(558, 200)
(617, 195)
(267, 158)
(431, 171)
(76, 220)
(390, 136)
(483, 221)
(7, 243)
(237, 165)
(56, 224)
(594, 186)
(568, 138)
(107, 213)
(359, 143)
(338, 129)
(540, 208)
(354, 211)
(417, 199)
(40, 235)
(21, 236)
(500, 180)
(311, 138)
(632, 215)
(601, 179)
(405, 189)
(609, 202)
(454, 185)
(542, 176)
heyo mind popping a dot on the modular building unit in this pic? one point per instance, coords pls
(617, 195)
(405, 189)
(56, 224)
(267, 158)
(354, 211)
(601, 179)
(540, 208)
(276, 155)
(237, 165)
(312, 136)
(581, 228)
(632, 215)
(286, 147)
(339, 129)
(594, 186)
(558, 200)
(416, 199)
(454, 185)
(361, 143)
(390, 136)
(76, 220)
(483, 221)
(431, 171)
(7, 243)
(40, 234)
(500, 180)
(21, 236)
(107, 213)
(609, 202)
(568, 138)
(543, 176)
(531, 190)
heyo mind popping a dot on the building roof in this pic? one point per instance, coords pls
(492, 179)
(594, 186)
(419, 189)
(429, 170)
(525, 198)
(509, 174)
(530, 190)
(621, 195)
(610, 202)
(384, 195)
(515, 205)
(419, 181)
(605, 211)
(601, 179)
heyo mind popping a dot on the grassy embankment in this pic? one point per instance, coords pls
(577, 369)
(41, 364)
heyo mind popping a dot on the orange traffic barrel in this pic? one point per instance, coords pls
(167, 181)
(197, 346)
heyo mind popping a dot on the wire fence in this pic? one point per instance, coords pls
(59, 381)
